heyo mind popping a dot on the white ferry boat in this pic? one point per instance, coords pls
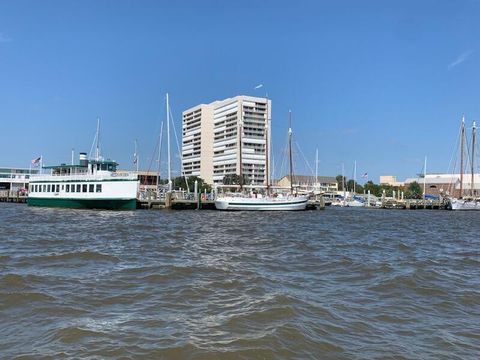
(92, 184)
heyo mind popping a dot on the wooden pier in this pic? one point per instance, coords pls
(12, 196)
(414, 204)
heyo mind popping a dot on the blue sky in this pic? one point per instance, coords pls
(380, 82)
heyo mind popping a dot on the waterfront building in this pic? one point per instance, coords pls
(390, 180)
(227, 137)
(15, 179)
(447, 184)
(309, 183)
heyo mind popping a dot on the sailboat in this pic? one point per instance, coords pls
(353, 200)
(268, 202)
(469, 200)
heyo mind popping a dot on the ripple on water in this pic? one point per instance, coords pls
(333, 284)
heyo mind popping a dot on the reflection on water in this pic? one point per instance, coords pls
(339, 283)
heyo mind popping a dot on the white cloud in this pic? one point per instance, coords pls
(460, 59)
(4, 38)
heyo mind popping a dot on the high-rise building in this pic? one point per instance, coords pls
(227, 137)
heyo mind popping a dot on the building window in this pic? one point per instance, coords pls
(99, 187)
(90, 187)
(84, 188)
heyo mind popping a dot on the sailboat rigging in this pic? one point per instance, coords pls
(466, 201)
(266, 203)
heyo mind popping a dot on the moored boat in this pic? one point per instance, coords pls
(268, 203)
(91, 184)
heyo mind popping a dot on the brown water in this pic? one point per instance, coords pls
(333, 284)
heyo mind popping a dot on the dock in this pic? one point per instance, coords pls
(414, 204)
(13, 197)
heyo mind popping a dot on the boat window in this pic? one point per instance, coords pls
(110, 167)
(44, 188)
(98, 166)
(90, 187)
(63, 187)
(104, 167)
(79, 188)
(67, 188)
(84, 188)
(99, 187)
(58, 188)
(48, 188)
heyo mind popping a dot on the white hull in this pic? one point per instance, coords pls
(262, 204)
(354, 203)
(465, 204)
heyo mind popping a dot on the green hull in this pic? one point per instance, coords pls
(108, 204)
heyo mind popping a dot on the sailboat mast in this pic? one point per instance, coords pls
(424, 178)
(316, 169)
(354, 175)
(169, 171)
(240, 147)
(474, 135)
(462, 145)
(267, 149)
(159, 153)
(290, 149)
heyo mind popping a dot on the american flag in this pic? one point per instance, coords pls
(36, 161)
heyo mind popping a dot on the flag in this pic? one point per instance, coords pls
(365, 176)
(135, 158)
(36, 161)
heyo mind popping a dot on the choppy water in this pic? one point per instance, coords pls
(333, 284)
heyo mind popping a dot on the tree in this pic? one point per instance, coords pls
(235, 179)
(180, 183)
(414, 191)
(340, 181)
(374, 188)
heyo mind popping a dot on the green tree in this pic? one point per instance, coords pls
(235, 179)
(414, 191)
(374, 188)
(340, 181)
(180, 183)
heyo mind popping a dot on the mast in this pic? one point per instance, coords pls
(354, 175)
(135, 156)
(316, 169)
(267, 148)
(343, 184)
(97, 137)
(424, 178)
(290, 149)
(462, 145)
(474, 135)
(168, 148)
(159, 152)
(240, 147)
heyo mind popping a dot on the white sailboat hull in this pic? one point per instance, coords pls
(465, 204)
(262, 204)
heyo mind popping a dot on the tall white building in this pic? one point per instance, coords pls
(227, 137)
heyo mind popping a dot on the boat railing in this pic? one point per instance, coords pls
(84, 177)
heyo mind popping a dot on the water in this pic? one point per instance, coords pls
(333, 284)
